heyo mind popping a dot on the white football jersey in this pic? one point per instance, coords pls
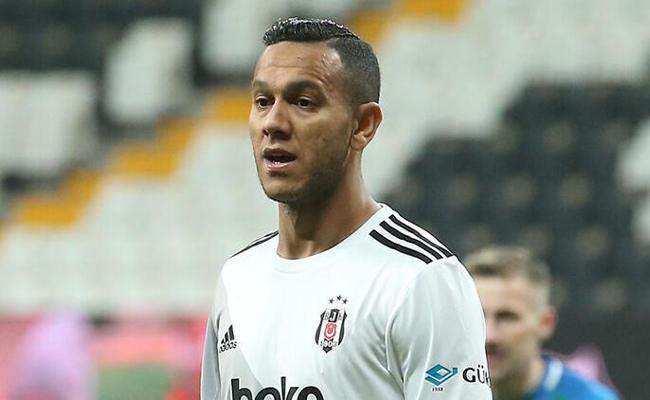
(388, 313)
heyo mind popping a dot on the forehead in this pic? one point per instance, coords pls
(513, 293)
(286, 61)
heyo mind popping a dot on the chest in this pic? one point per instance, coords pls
(306, 328)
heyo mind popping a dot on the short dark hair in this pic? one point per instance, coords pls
(359, 60)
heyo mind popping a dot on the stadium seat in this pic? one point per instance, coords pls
(22, 279)
(148, 72)
(339, 10)
(3, 196)
(634, 162)
(231, 35)
(62, 134)
(641, 227)
(232, 29)
(12, 90)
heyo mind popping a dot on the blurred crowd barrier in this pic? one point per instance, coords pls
(65, 356)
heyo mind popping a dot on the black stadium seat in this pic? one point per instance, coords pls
(51, 34)
(546, 179)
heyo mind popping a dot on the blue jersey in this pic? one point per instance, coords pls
(560, 383)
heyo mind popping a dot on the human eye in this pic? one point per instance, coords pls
(262, 101)
(508, 316)
(305, 102)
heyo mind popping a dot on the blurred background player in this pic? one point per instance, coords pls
(56, 360)
(514, 289)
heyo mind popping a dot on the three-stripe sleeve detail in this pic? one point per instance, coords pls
(396, 234)
(442, 249)
(410, 239)
(396, 246)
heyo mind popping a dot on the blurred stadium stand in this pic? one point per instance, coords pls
(42, 35)
(127, 176)
(64, 132)
(153, 60)
(546, 179)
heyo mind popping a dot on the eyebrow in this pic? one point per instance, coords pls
(292, 87)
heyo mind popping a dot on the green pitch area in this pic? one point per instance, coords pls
(141, 382)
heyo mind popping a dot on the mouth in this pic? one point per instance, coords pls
(276, 159)
(494, 355)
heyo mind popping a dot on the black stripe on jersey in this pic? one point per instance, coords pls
(261, 240)
(410, 239)
(442, 249)
(402, 249)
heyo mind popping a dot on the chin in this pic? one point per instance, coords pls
(299, 193)
(296, 198)
(281, 196)
(497, 370)
(496, 375)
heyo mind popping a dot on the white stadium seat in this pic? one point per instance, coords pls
(47, 121)
(148, 71)
(634, 161)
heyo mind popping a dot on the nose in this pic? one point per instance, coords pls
(277, 123)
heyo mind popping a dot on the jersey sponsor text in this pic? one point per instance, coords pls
(271, 393)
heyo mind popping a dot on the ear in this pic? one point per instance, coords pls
(368, 117)
(548, 322)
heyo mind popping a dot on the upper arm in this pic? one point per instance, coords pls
(435, 338)
(210, 379)
(210, 371)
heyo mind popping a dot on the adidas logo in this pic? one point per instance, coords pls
(228, 341)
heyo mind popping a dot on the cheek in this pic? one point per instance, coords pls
(514, 331)
(325, 148)
(251, 134)
(525, 336)
(256, 142)
(337, 141)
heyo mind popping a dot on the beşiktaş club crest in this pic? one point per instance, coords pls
(331, 328)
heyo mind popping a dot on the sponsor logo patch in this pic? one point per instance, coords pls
(273, 393)
(439, 374)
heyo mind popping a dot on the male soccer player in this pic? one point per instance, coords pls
(347, 300)
(514, 290)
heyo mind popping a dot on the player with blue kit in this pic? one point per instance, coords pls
(514, 290)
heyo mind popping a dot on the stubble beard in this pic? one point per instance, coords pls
(324, 179)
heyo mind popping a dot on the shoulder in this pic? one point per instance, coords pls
(248, 259)
(399, 240)
(411, 257)
(426, 267)
(253, 248)
(577, 386)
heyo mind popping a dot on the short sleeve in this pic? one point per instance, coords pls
(210, 372)
(210, 380)
(435, 337)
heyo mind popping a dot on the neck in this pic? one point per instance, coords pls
(523, 382)
(309, 229)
